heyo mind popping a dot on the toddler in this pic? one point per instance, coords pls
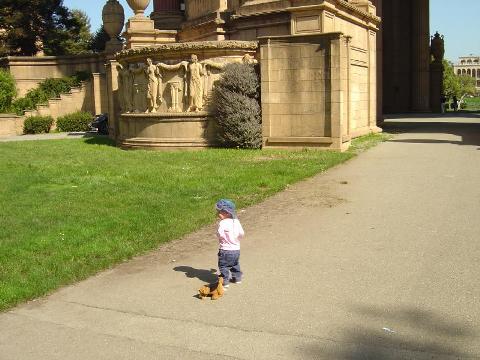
(229, 233)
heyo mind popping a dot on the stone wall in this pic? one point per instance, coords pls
(317, 90)
(195, 9)
(302, 90)
(29, 71)
(11, 124)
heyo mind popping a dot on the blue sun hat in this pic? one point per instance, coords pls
(228, 206)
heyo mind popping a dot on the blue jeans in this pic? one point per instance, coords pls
(228, 263)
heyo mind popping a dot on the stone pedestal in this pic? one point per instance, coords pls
(141, 32)
(167, 14)
(306, 106)
(164, 92)
(113, 17)
(166, 131)
(205, 20)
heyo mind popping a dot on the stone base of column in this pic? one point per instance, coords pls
(167, 20)
(436, 86)
(209, 27)
(113, 45)
(141, 32)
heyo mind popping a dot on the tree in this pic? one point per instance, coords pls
(72, 38)
(99, 40)
(456, 85)
(467, 85)
(8, 90)
(33, 25)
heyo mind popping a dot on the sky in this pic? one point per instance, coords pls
(456, 20)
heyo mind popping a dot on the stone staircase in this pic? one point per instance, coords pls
(78, 99)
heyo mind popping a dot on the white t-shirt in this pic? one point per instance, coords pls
(229, 233)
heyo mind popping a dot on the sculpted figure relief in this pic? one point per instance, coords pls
(175, 91)
(141, 86)
(155, 87)
(125, 87)
(175, 87)
(195, 84)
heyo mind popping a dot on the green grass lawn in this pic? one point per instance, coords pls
(472, 104)
(70, 208)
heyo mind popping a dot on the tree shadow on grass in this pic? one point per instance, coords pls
(208, 276)
(99, 140)
(402, 333)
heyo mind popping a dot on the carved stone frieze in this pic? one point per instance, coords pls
(188, 46)
(170, 85)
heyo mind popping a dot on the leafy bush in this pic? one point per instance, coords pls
(78, 121)
(48, 89)
(37, 124)
(8, 90)
(236, 107)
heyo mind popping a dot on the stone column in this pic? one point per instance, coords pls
(113, 104)
(436, 72)
(420, 56)
(140, 30)
(379, 6)
(167, 14)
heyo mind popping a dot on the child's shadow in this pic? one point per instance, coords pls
(209, 276)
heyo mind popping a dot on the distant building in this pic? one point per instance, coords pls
(469, 65)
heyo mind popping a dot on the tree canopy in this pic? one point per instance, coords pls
(34, 25)
(456, 85)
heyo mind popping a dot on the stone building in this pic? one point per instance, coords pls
(403, 40)
(470, 66)
(317, 59)
(330, 68)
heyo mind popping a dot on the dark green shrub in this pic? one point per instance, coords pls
(78, 121)
(37, 124)
(236, 107)
(8, 90)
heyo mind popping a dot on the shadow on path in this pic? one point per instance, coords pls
(402, 333)
(208, 276)
(468, 132)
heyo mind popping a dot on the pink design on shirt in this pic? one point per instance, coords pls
(229, 234)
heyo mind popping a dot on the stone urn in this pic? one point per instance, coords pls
(138, 6)
(437, 48)
(113, 18)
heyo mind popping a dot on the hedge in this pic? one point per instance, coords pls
(236, 107)
(78, 121)
(37, 124)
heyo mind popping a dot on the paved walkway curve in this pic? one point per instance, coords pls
(375, 259)
(49, 136)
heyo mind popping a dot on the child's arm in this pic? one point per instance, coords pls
(241, 232)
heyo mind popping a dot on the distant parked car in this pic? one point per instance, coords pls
(100, 123)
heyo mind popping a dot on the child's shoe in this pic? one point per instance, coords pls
(226, 286)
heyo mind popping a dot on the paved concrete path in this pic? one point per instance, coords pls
(50, 136)
(376, 259)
